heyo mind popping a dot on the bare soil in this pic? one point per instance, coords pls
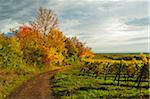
(38, 87)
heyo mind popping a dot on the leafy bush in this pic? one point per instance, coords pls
(10, 52)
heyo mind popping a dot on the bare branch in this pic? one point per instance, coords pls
(45, 21)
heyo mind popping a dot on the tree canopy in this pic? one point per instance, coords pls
(42, 44)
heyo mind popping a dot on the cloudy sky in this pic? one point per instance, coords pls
(105, 25)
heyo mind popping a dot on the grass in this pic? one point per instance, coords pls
(75, 84)
(10, 79)
(7, 88)
(72, 83)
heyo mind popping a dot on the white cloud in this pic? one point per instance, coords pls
(102, 24)
(8, 24)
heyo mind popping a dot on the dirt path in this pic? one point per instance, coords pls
(37, 87)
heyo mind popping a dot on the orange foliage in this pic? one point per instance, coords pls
(84, 51)
(24, 28)
(42, 43)
(87, 54)
(26, 32)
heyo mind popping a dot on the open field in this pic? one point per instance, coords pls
(77, 83)
(118, 55)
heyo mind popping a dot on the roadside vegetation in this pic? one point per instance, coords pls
(35, 48)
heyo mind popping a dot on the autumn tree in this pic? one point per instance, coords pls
(54, 47)
(43, 44)
(72, 51)
(83, 51)
(45, 21)
(31, 45)
(71, 48)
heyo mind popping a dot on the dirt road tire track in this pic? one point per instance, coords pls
(37, 87)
